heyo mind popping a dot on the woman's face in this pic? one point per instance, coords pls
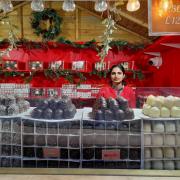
(117, 75)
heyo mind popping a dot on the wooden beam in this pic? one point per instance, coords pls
(133, 19)
(77, 24)
(21, 21)
(117, 25)
(17, 6)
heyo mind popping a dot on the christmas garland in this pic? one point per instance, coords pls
(120, 45)
(46, 15)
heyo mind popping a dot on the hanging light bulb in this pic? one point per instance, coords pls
(37, 5)
(68, 5)
(6, 6)
(1, 5)
(100, 5)
(165, 4)
(133, 5)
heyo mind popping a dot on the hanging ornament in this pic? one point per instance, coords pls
(6, 6)
(100, 5)
(37, 5)
(165, 4)
(110, 26)
(68, 5)
(133, 5)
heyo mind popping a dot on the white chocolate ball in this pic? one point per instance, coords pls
(147, 126)
(165, 112)
(154, 112)
(175, 111)
(177, 101)
(157, 140)
(169, 101)
(158, 127)
(146, 109)
(177, 152)
(170, 126)
(147, 165)
(147, 140)
(147, 153)
(177, 139)
(151, 100)
(169, 165)
(170, 140)
(177, 163)
(157, 165)
(157, 153)
(169, 152)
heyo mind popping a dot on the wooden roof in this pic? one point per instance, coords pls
(135, 23)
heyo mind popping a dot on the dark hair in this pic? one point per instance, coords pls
(120, 66)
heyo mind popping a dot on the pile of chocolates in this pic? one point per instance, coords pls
(12, 105)
(61, 108)
(112, 109)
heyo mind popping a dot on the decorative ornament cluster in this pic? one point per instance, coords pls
(106, 38)
(12, 39)
(50, 16)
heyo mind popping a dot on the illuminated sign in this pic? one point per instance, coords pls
(164, 17)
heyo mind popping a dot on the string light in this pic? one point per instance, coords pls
(6, 6)
(100, 5)
(165, 4)
(68, 5)
(133, 5)
(37, 5)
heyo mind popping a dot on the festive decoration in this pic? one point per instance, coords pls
(100, 74)
(106, 39)
(67, 74)
(11, 36)
(56, 65)
(89, 44)
(51, 17)
(78, 65)
(10, 65)
(120, 45)
(35, 65)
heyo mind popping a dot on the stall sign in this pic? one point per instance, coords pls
(113, 154)
(51, 152)
(164, 17)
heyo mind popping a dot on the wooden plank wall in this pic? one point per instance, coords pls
(77, 26)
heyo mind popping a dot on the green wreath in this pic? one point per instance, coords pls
(54, 23)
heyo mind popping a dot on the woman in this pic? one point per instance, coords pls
(117, 86)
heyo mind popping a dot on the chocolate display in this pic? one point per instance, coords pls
(112, 109)
(12, 105)
(159, 106)
(54, 109)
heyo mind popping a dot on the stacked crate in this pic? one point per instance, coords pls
(110, 144)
